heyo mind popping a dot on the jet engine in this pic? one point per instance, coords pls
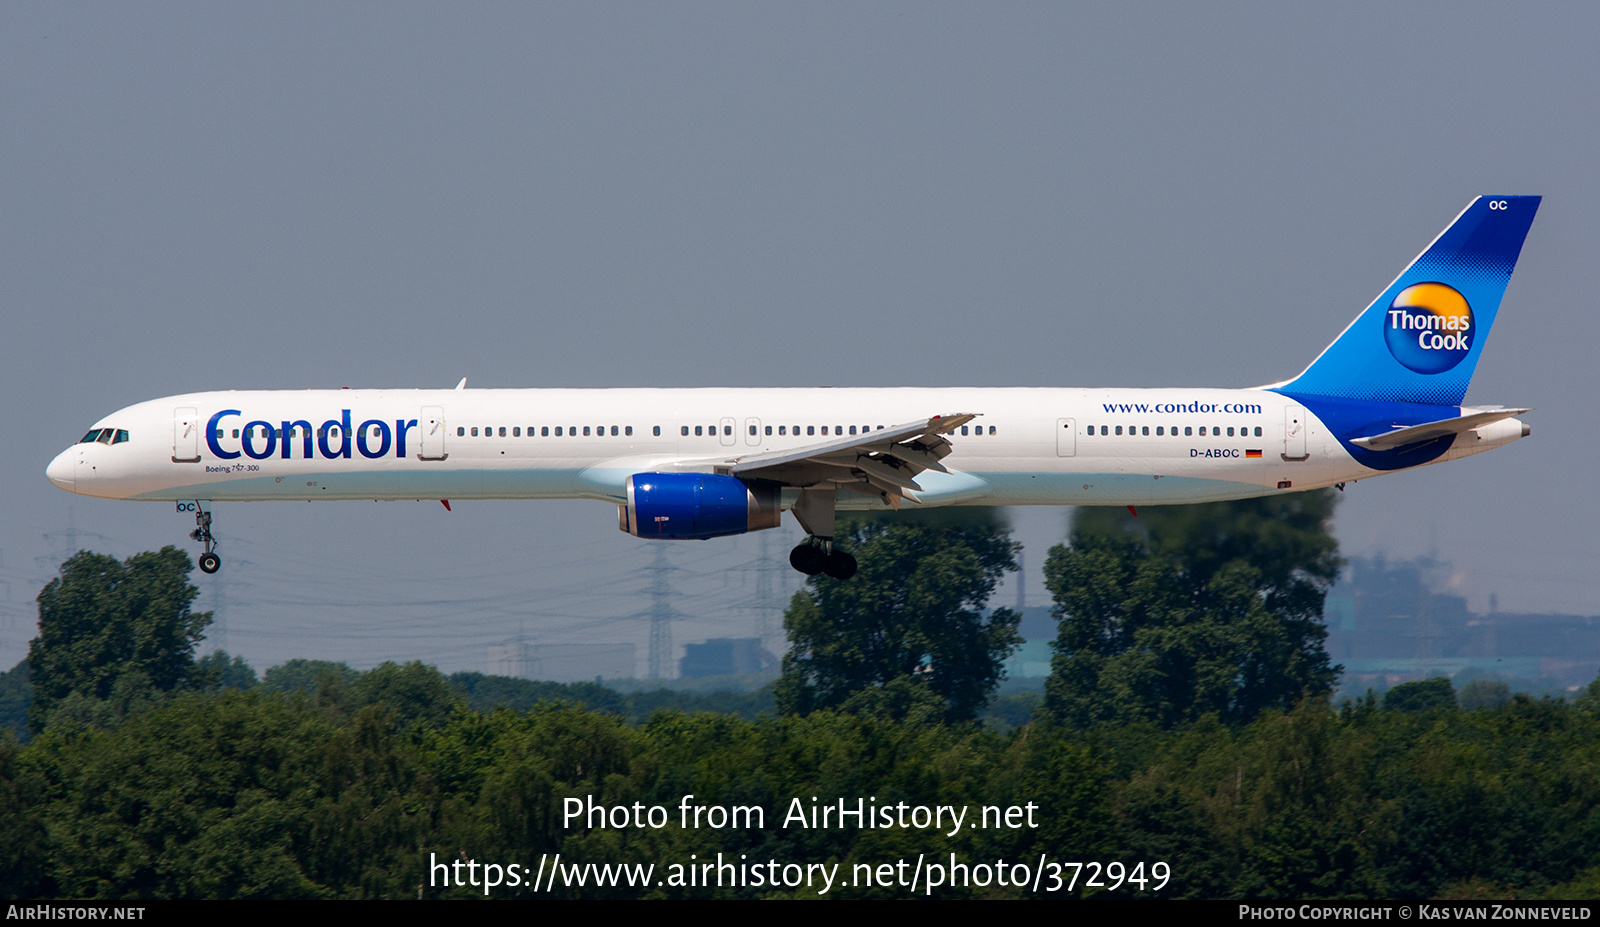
(680, 506)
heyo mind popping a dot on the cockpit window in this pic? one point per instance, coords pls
(122, 435)
(91, 436)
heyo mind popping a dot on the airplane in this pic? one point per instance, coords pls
(705, 463)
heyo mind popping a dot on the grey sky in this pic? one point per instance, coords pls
(252, 196)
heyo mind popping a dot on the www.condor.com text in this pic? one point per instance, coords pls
(926, 874)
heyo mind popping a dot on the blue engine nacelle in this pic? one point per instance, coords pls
(680, 506)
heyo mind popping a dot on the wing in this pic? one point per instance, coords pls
(1416, 434)
(878, 463)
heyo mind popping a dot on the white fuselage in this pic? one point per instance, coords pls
(1028, 446)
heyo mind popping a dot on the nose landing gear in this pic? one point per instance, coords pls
(209, 561)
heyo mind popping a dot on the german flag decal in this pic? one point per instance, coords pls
(1250, 453)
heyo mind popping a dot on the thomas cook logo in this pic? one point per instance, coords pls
(1429, 327)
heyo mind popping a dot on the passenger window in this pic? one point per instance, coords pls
(852, 429)
(461, 432)
(783, 429)
(769, 429)
(1158, 431)
(558, 431)
(752, 429)
(963, 429)
(811, 429)
(614, 431)
(544, 432)
(1188, 429)
(1230, 432)
(698, 432)
(991, 429)
(586, 431)
(824, 429)
(1146, 430)
(627, 431)
(1258, 431)
(1119, 429)
(516, 432)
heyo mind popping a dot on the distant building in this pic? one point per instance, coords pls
(726, 656)
(1038, 630)
(564, 662)
(1386, 624)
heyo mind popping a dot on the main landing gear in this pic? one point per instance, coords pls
(209, 561)
(818, 555)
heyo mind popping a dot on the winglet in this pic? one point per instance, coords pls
(462, 384)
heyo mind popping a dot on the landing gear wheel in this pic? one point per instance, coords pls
(209, 561)
(840, 565)
(808, 559)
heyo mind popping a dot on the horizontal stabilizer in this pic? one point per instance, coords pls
(1416, 434)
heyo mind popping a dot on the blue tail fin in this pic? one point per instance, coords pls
(1420, 340)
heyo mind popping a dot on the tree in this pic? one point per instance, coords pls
(108, 628)
(216, 671)
(1484, 693)
(908, 632)
(309, 676)
(1421, 695)
(1183, 611)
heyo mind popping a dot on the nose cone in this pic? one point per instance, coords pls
(63, 470)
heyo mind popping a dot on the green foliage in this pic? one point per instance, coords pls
(235, 796)
(24, 842)
(1186, 611)
(16, 694)
(216, 671)
(1485, 693)
(1007, 712)
(913, 611)
(486, 693)
(1589, 701)
(416, 693)
(1422, 695)
(230, 794)
(308, 676)
(114, 634)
